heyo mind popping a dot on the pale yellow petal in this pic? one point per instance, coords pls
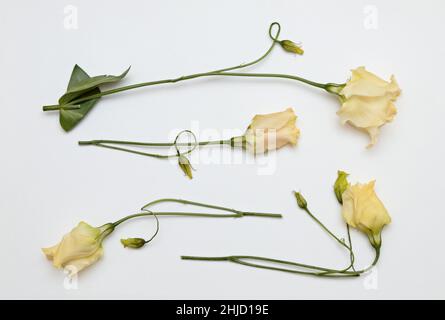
(362, 209)
(364, 112)
(50, 252)
(82, 241)
(368, 102)
(272, 131)
(287, 135)
(348, 207)
(367, 84)
(373, 134)
(75, 266)
(81, 247)
(275, 120)
(368, 114)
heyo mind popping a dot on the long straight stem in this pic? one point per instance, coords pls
(326, 272)
(194, 76)
(351, 255)
(238, 213)
(271, 75)
(155, 144)
(325, 228)
(106, 144)
(196, 214)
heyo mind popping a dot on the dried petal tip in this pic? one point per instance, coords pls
(301, 201)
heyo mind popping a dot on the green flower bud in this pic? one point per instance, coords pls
(291, 46)
(302, 203)
(185, 166)
(340, 185)
(134, 243)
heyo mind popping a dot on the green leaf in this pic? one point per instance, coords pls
(77, 75)
(70, 118)
(81, 85)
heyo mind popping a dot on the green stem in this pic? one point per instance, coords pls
(54, 107)
(351, 256)
(154, 144)
(330, 87)
(326, 229)
(174, 80)
(316, 270)
(326, 272)
(193, 76)
(153, 155)
(237, 213)
(374, 262)
(196, 214)
(105, 144)
(240, 260)
(272, 75)
(349, 248)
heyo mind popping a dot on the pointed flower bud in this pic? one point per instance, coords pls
(291, 46)
(134, 243)
(341, 184)
(185, 166)
(302, 203)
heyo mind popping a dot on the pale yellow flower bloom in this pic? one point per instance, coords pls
(80, 248)
(271, 131)
(368, 102)
(362, 209)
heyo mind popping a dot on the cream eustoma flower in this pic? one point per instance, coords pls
(362, 209)
(270, 131)
(368, 102)
(79, 248)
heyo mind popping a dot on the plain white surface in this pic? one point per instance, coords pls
(48, 183)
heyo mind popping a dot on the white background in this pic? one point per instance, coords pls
(48, 183)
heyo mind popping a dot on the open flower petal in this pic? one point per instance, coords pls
(272, 131)
(368, 102)
(79, 248)
(362, 209)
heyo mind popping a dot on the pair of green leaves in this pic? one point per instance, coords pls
(80, 87)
